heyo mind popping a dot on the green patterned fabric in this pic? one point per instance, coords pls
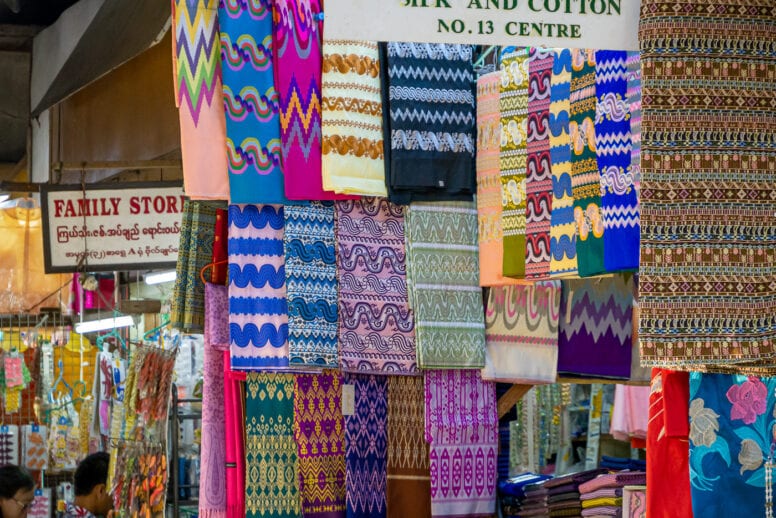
(513, 101)
(443, 280)
(271, 470)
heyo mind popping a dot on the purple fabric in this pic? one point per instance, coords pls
(217, 316)
(212, 487)
(579, 478)
(610, 492)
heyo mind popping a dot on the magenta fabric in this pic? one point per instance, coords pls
(217, 316)
(462, 430)
(234, 413)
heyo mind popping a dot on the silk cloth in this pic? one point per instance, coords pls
(320, 436)
(538, 184)
(311, 284)
(352, 119)
(234, 434)
(521, 333)
(630, 413)
(444, 287)
(272, 467)
(430, 123)
(376, 325)
(409, 483)
(258, 310)
(195, 250)
(212, 481)
(462, 430)
(198, 96)
(366, 446)
(250, 102)
(513, 157)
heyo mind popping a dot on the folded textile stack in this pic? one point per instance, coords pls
(534, 503)
(563, 493)
(516, 499)
(620, 464)
(602, 496)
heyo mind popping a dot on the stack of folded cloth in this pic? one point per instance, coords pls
(620, 463)
(514, 493)
(563, 493)
(534, 503)
(602, 496)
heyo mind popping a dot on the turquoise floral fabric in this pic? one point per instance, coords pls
(732, 420)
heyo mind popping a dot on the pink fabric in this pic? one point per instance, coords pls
(609, 492)
(212, 481)
(462, 429)
(631, 412)
(600, 482)
(217, 316)
(235, 441)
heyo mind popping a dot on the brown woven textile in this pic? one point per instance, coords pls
(409, 483)
(708, 200)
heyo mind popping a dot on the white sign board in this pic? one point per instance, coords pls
(128, 227)
(593, 24)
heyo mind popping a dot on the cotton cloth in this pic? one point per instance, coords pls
(217, 316)
(212, 482)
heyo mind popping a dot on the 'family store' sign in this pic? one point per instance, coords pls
(108, 227)
(593, 24)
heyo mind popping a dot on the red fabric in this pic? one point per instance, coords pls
(220, 257)
(668, 447)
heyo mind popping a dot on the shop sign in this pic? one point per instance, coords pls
(132, 226)
(593, 24)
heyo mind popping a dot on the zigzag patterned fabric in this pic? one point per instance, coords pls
(376, 326)
(311, 284)
(409, 483)
(586, 185)
(619, 202)
(258, 311)
(708, 143)
(633, 94)
(198, 93)
(462, 429)
(272, 472)
(563, 229)
(513, 101)
(250, 102)
(320, 436)
(366, 446)
(521, 333)
(490, 236)
(538, 180)
(444, 289)
(352, 113)
(431, 121)
(596, 327)
(297, 40)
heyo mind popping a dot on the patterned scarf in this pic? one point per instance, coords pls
(538, 185)
(366, 446)
(619, 203)
(462, 429)
(352, 124)
(707, 198)
(586, 185)
(409, 484)
(234, 457)
(272, 478)
(198, 96)
(595, 327)
(444, 289)
(217, 316)
(194, 252)
(250, 102)
(521, 333)
(311, 282)
(377, 328)
(320, 437)
(513, 102)
(431, 123)
(563, 238)
(212, 482)
(258, 311)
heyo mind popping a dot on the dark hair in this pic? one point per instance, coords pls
(12, 479)
(93, 470)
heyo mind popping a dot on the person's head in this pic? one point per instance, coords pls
(17, 491)
(89, 483)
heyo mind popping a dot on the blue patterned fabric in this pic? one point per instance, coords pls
(366, 447)
(732, 426)
(311, 284)
(613, 152)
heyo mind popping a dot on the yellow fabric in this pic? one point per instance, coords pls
(601, 502)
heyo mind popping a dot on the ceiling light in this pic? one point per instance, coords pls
(103, 324)
(158, 278)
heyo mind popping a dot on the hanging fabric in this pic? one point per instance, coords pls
(311, 284)
(258, 311)
(538, 185)
(376, 326)
(212, 480)
(199, 97)
(250, 102)
(352, 113)
(234, 438)
(217, 316)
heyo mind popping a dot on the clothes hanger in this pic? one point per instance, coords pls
(208, 266)
(60, 379)
(165, 322)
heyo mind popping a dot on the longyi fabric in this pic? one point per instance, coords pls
(376, 325)
(250, 102)
(234, 456)
(217, 316)
(352, 119)
(258, 311)
(212, 482)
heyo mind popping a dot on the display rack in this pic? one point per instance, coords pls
(180, 506)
